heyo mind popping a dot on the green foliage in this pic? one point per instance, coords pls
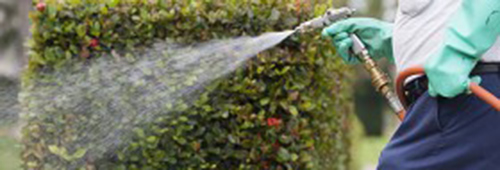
(9, 107)
(284, 110)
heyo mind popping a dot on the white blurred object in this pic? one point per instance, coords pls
(14, 29)
(390, 9)
(9, 66)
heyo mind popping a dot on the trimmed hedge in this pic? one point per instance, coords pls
(9, 107)
(286, 109)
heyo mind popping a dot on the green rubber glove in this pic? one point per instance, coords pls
(472, 31)
(377, 36)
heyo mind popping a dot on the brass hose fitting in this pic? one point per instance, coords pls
(380, 80)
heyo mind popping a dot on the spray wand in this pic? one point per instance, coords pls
(380, 80)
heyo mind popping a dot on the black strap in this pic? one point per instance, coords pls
(482, 68)
(415, 88)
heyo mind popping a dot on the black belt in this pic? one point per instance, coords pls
(416, 88)
(482, 68)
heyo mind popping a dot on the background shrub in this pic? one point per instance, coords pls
(285, 109)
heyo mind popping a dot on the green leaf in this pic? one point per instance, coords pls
(81, 30)
(293, 110)
(264, 101)
(284, 155)
(183, 119)
(63, 153)
(260, 69)
(140, 133)
(295, 157)
(96, 29)
(55, 150)
(74, 2)
(104, 10)
(232, 139)
(180, 140)
(247, 125)
(307, 105)
(79, 153)
(282, 71)
(35, 57)
(151, 139)
(285, 139)
(113, 3)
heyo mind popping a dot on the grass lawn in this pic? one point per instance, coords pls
(10, 151)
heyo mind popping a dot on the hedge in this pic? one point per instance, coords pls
(9, 107)
(285, 109)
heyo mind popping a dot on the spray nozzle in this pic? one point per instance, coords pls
(330, 16)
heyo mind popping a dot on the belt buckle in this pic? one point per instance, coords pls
(415, 89)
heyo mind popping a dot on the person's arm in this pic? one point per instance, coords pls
(471, 32)
(377, 36)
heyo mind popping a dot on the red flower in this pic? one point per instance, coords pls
(94, 42)
(40, 6)
(273, 122)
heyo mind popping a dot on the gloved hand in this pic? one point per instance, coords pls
(472, 31)
(377, 36)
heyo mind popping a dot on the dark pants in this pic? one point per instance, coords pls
(447, 134)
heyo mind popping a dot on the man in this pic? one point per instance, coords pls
(457, 41)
